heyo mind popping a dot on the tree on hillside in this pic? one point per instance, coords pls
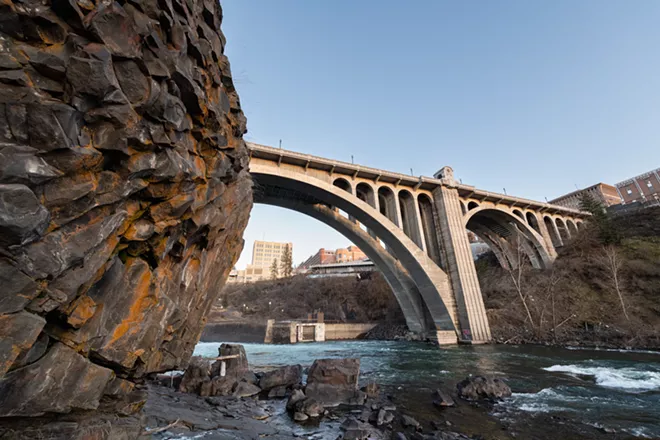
(612, 262)
(516, 270)
(599, 217)
(287, 262)
(274, 273)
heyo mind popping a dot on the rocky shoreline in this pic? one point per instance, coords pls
(229, 400)
(322, 401)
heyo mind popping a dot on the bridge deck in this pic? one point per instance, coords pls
(428, 183)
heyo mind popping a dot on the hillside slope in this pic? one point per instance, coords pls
(595, 293)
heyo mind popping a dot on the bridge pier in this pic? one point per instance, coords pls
(472, 317)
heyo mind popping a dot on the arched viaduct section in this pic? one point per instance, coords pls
(415, 231)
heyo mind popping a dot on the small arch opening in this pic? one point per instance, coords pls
(563, 230)
(365, 192)
(472, 205)
(533, 222)
(519, 213)
(409, 217)
(552, 230)
(429, 227)
(572, 229)
(343, 184)
(387, 204)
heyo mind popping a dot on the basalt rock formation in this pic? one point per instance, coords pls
(124, 193)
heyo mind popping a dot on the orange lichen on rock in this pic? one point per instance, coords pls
(80, 311)
(127, 194)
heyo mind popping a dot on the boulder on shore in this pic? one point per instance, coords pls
(234, 367)
(480, 387)
(281, 377)
(442, 399)
(213, 380)
(334, 381)
(245, 389)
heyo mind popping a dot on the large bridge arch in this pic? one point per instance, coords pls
(403, 287)
(431, 282)
(499, 228)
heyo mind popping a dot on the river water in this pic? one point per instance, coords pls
(613, 392)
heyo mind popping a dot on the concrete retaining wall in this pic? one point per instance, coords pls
(334, 332)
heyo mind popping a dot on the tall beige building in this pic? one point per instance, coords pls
(263, 254)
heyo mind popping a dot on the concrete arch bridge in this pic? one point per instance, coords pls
(415, 230)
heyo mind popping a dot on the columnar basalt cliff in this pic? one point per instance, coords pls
(124, 193)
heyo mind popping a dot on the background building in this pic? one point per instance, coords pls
(644, 188)
(606, 194)
(327, 256)
(357, 268)
(263, 254)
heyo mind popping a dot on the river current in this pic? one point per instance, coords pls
(614, 391)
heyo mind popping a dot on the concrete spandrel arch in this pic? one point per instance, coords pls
(344, 184)
(552, 230)
(431, 281)
(366, 193)
(409, 216)
(387, 203)
(533, 221)
(505, 225)
(427, 216)
(564, 234)
(572, 228)
(403, 287)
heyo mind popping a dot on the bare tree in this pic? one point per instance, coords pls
(612, 263)
(516, 273)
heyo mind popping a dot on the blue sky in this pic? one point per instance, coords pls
(534, 97)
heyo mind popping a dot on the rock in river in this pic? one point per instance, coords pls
(334, 381)
(479, 387)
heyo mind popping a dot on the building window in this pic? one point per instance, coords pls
(649, 184)
(629, 191)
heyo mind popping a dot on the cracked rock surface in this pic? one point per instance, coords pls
(124, 193)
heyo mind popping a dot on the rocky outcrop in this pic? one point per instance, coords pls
(124, 193)
(479, 387)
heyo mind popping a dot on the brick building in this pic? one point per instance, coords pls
(606, 194)
(327, 256)
(644, 188)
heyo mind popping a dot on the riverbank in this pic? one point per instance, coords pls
(558, 393)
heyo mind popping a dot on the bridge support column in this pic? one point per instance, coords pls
(549, 245)
(460, 265)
